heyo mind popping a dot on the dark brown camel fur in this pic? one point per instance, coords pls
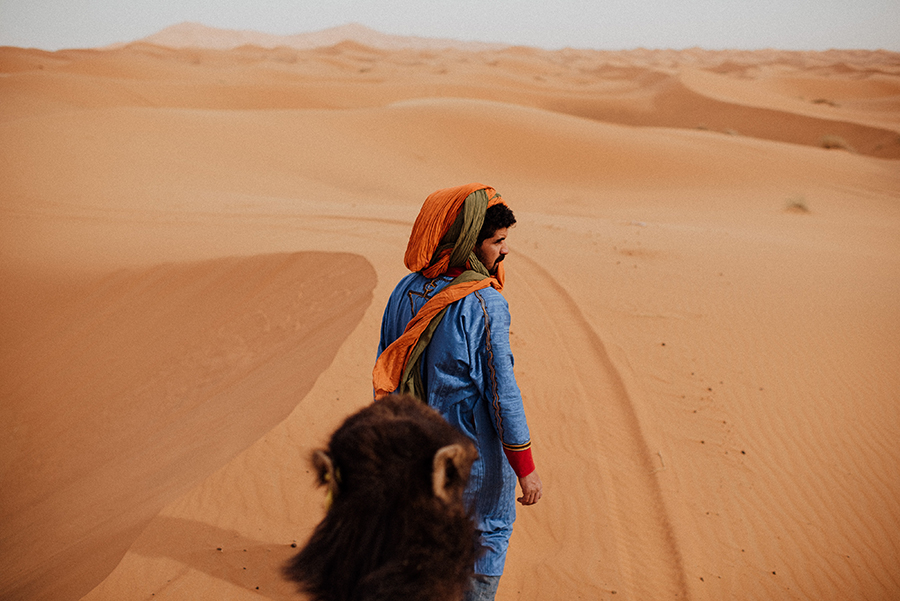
(397, 528)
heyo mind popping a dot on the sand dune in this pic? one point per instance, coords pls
(197, 245)
(779, 103)
(168, 372)
(193, 35)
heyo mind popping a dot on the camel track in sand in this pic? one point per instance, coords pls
(643, 557)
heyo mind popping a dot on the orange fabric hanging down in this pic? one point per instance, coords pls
(435, 218)
(390, 365)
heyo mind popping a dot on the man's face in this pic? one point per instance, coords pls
(493, 250)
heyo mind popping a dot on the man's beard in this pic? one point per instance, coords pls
(493, 269)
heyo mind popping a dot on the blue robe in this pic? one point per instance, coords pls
(468, 373)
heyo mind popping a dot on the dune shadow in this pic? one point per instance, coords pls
(226, 555)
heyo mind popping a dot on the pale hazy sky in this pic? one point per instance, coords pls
(599, 24)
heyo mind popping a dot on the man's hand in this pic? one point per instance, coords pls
(531, 488)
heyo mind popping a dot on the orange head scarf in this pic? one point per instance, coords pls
(430, 253)
(438, 214)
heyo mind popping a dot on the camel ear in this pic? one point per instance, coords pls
(451, 470)
(326, 471)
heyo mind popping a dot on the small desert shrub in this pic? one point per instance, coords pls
(831, 141)
(796, 205)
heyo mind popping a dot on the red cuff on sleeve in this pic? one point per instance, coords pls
(521, 461)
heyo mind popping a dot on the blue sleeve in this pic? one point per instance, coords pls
(493, 359)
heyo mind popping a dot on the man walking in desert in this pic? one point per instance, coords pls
(445, 339)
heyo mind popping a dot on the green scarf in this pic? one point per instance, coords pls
(461, 238)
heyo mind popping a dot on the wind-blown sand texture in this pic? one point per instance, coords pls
(196, 246)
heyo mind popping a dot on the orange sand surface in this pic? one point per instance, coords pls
(196, 246)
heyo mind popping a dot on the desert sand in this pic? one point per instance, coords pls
(196, 246)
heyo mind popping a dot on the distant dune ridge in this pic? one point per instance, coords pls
(199, 231)
(195, 35)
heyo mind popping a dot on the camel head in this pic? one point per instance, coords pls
(396, 526)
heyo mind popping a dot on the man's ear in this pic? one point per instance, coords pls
(451, 471)
(326, 471)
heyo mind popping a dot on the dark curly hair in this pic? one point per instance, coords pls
(496, 217)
